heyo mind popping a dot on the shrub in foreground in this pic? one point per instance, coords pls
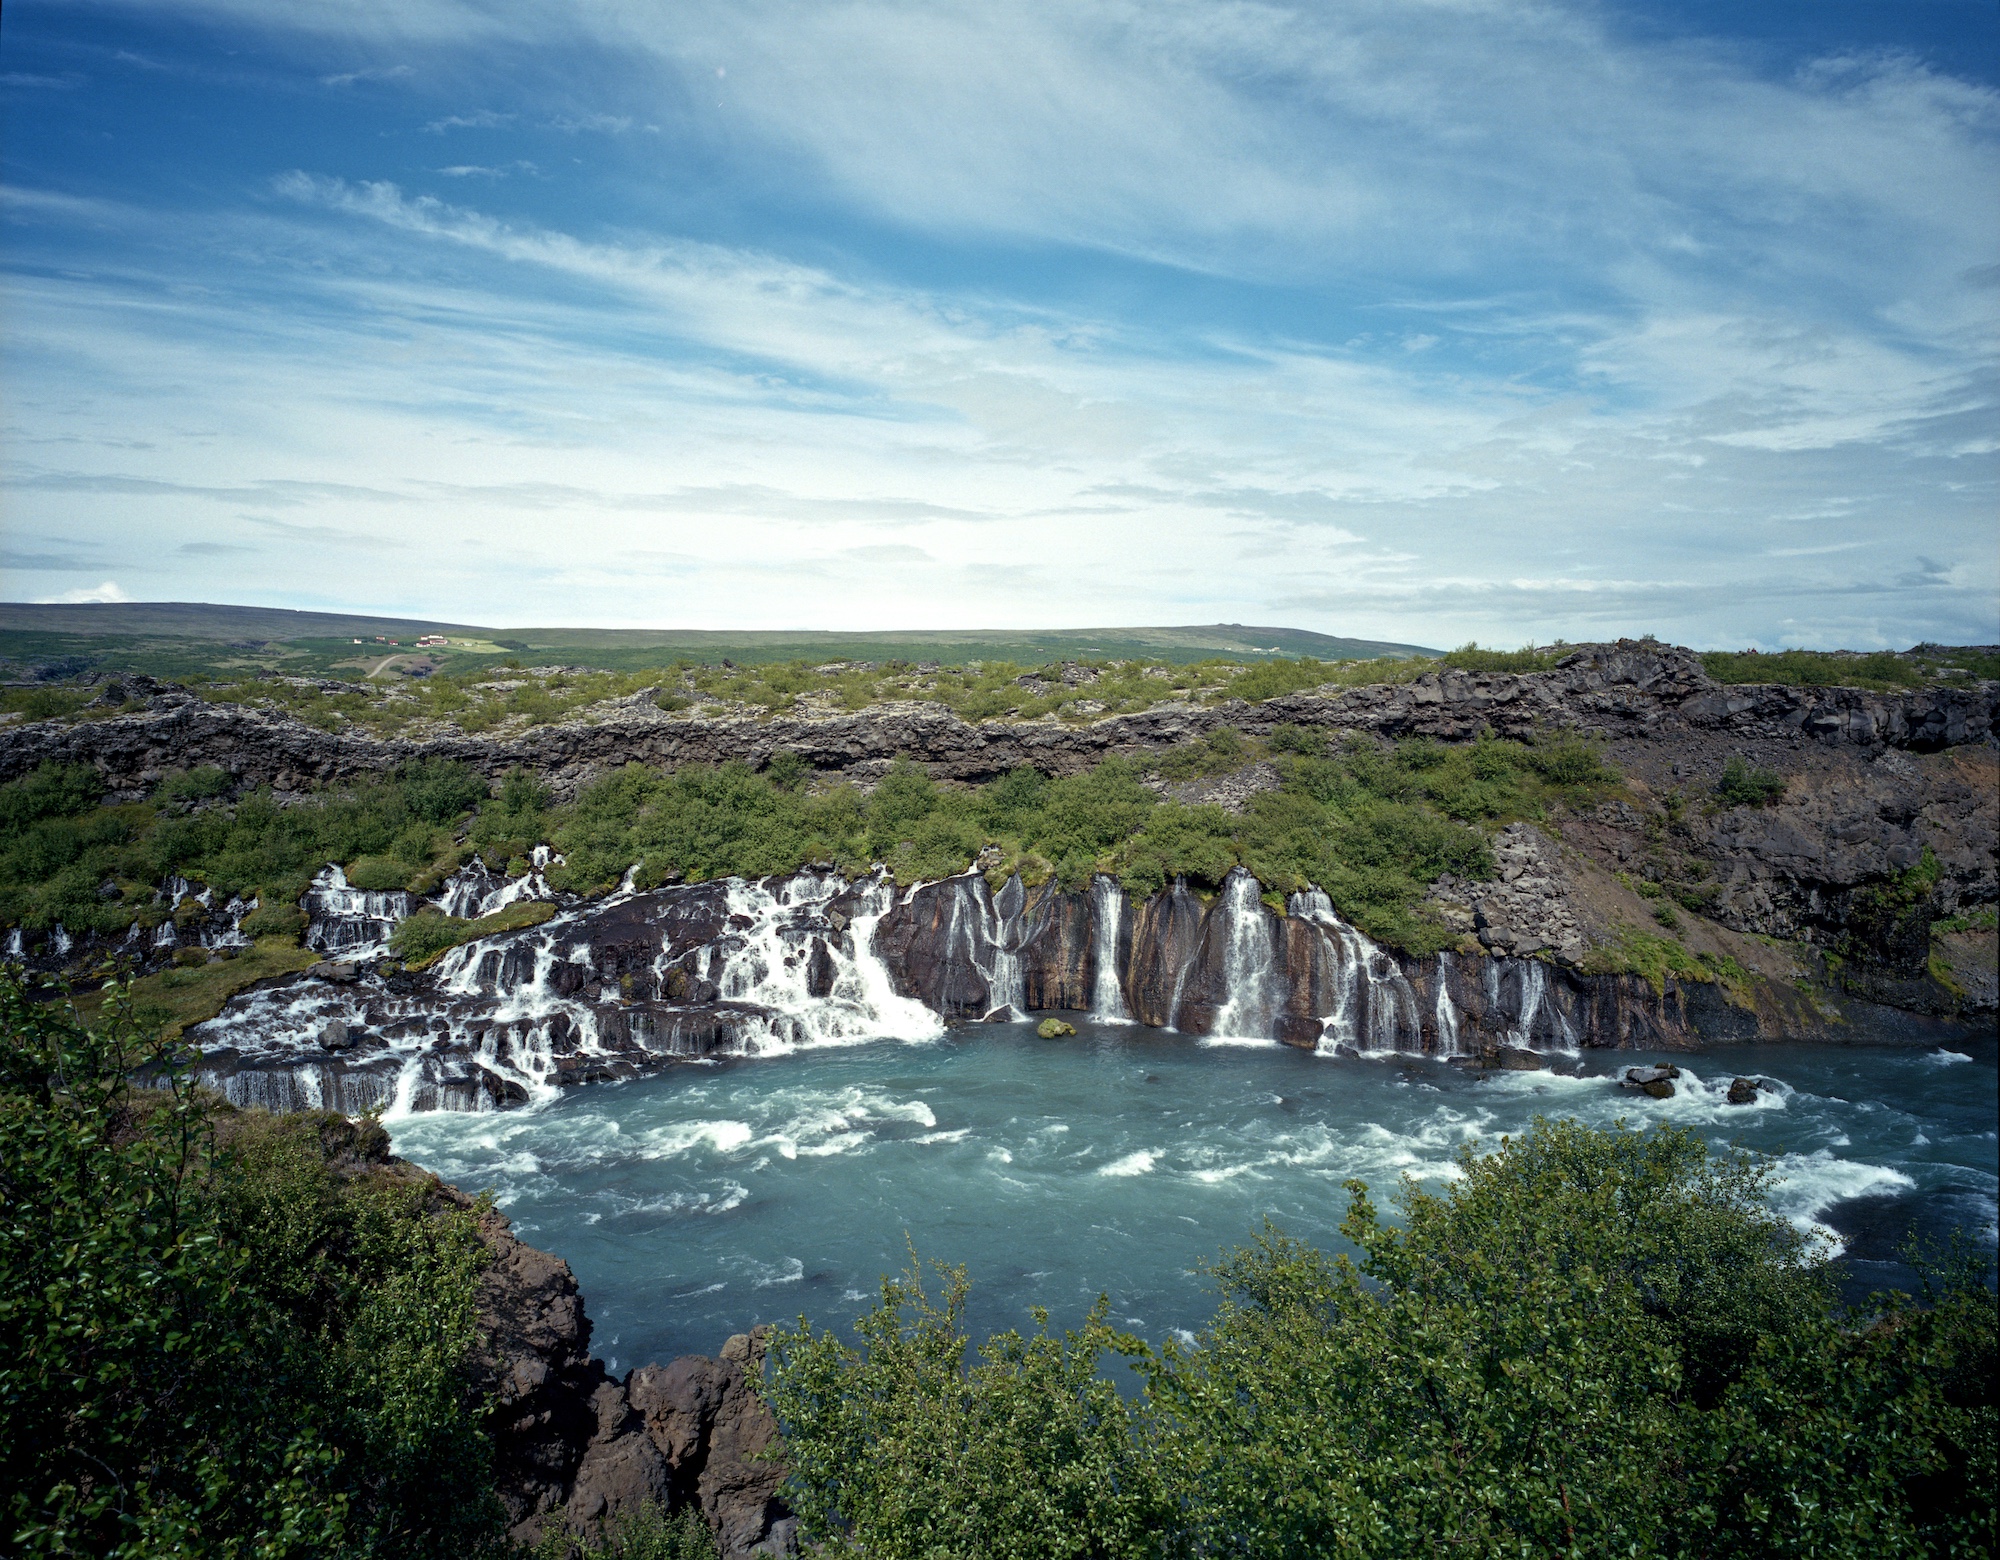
(1593, 1343)
(211, 1342)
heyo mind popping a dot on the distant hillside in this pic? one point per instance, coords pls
(199, 620)
(180, 634)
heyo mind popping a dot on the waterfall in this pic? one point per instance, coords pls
(985, 930)
(1107, 915)
(473, 891)
(1374, 1006)
(1446, 1011)
(511, 1018)
(1249, 960)
(353, 922)
(770, 963)
(1533, 998)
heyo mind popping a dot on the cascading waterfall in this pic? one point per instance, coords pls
(772, 967)
(1107, 916)
(351, 921)
(1249, 960)
(1374, 1006)
(985, 930)
(506, 1016)
(1446, 1011)
(473, 891)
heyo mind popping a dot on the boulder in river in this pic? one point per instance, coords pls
(1655, 1081)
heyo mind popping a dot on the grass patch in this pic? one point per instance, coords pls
(178, 998)
(1469, 657)
(1655, 958)
(1984, 919)
(424, 938)
(1882, 670)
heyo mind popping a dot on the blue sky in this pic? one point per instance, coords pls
(1428, 320)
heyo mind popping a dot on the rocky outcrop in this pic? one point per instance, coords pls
(1630, 689)
(574, 1445)
(1527, 907)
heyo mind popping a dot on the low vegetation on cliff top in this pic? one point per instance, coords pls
(1370, 824)
(1591, 1344)
(484, 693)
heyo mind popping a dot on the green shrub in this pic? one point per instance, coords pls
(1469, 657)
(274, 918)
(1813, 669)
(44, 703)
(52, 791)
(214, 1344)
(1589, 1343)
(904, 1449)
(437, 790)
(1572, 762)
(1743, 785)
(646, 1534)
(193, 785)
(377, 873)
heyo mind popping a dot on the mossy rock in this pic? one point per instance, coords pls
(428, 935)
(1054, 1029)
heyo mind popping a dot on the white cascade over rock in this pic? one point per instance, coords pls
(1374, 1005)
(352, 922)
(1107, 918)
(1250, 958)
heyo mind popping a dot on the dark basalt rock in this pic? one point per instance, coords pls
(572, 1443)
(1655, 1081)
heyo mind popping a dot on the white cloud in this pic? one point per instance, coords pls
(347, 78)
(108, 591)
(1616, 348)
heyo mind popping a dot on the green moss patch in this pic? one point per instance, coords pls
(1654, 959)
(428, 935)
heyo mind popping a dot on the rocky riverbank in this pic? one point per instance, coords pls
(574, 1444)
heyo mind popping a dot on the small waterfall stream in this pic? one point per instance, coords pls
(1249, 960)
(1107, 916)
(1374, 1006)
(352, 921)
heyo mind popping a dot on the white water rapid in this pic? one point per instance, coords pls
(509, 1020)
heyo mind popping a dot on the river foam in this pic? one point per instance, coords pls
(698, 1202)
